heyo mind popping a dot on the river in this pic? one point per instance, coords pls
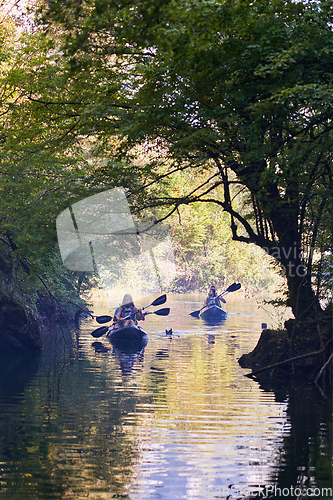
(178, 420)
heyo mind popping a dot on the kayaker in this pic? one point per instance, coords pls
(126, 308)
(212, 298)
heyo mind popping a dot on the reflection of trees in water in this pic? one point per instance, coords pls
(76, 428)
(306, 456)
(68, 429)
(16, 371)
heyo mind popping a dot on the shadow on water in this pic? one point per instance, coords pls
(126, 357)
(176, 419)
(16, 372)
(100, 347)
(62, 428)
(305, 462)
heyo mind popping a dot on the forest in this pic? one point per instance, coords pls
(214, 117)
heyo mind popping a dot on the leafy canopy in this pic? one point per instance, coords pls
(241, 92)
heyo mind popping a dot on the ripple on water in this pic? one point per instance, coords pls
(176, 421)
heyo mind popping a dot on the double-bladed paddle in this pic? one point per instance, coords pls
(102, 319)
(100, 331)
(104, 329)
(231, 288)
(157, 302)
(99, 319)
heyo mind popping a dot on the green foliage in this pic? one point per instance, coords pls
(41, 283)
(205, 253)
(37, 179)
(236, 95)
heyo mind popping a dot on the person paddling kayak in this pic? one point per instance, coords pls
(126, 308)
(212, 298)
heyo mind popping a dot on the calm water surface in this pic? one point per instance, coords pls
(178, 420)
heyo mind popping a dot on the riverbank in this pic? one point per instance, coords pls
(21, 330)
(301, 352)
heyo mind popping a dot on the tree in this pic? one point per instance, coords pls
(241, 91)
(37, 180)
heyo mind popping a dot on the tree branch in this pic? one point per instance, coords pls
(75, 103)
(323, 368)
(291, 360)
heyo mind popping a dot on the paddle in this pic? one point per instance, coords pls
(104, 329)
(100, 331)
(157, 302)
(161, 312)
(99, 319)
(103, 319)
(231, 288)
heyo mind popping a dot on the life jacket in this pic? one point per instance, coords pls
(213, 301)
(126, 311)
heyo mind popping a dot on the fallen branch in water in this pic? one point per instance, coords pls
(323, 368)
(291, 360)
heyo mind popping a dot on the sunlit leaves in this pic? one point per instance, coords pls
(244, 88)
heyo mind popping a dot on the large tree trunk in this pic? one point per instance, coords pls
(301, 297)
(290, 253)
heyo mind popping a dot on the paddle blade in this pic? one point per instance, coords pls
(162, 312)
(103, 319)
(195, 314)
(233, 287)
(100, 331)
(159, 301)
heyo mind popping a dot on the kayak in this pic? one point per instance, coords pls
(128, 336)
(213, 313)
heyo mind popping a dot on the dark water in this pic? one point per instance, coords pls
(176, 421)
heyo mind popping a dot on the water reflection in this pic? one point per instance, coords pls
(174, 420)
(307, 449)
(16, 371)
(99, 347)
(127, 359)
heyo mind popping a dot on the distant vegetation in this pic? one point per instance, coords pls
(205, 253)
(216, 117)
